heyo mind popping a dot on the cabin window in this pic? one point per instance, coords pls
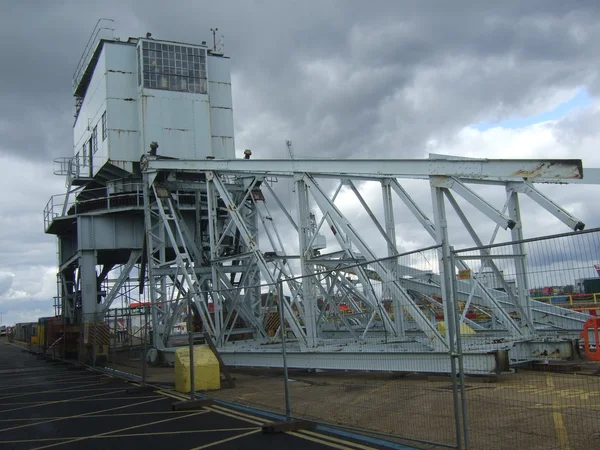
(104, 130)
(174, 67)
(95, 139)
(84, 154)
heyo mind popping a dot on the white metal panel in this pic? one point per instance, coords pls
(92, 107)
(218, 69)
(110, 232)
(178, 121)
(176, 143)
(124, 144)
(223, 147)
(114, 76)
(220, 95)
(121, 71)
(123, 132)
(176, 112)
(221, 122)
(177, 135)
(202, 128)
(121, 57)
(149, 118)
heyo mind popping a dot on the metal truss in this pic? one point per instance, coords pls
(207, 248)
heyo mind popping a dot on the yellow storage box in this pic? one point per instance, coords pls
(464, 328)
(207, 375)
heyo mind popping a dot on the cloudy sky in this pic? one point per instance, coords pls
(349, 79)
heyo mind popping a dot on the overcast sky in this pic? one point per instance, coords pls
(511, 79)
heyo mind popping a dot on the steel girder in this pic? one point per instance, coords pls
(503, 170)
(231, 208)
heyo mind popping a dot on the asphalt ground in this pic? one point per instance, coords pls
(43, 404)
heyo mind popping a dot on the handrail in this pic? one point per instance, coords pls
(89, 47)
(73, 167)
(73, 207)
(580, 299)
(108, 199)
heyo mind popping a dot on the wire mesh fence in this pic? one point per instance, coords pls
(489, 356)
(118, 339)
(533, 297)
(371, 365)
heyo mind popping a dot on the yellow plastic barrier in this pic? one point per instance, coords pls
(464, 328)
(207, 375)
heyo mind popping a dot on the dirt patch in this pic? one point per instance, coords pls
(523, 410)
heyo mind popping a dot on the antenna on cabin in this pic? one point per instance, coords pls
(288, 144)
(221, 44)
(214, 32)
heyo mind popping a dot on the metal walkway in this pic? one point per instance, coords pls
(45, 405)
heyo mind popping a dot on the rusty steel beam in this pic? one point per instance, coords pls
(482, 169)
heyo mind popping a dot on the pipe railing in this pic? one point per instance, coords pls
(102, 199)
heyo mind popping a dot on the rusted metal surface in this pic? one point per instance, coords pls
(561, 167)
(487, 170)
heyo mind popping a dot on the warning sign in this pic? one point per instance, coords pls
(464, 274)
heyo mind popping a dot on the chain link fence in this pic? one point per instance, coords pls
(491, 356)
(389, 380)
(549, 398)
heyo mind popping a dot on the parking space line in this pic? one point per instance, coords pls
(334, 439)
(235, 416)
(255, 422)
(56, 391)
(111, 436)
(168, 394)
(56, 376)
(52, 402)
(145, 413)
(112, 398)
(241, 414)
(89, 398)
(305, 434)
(59, 381)
(83, 438)
(79, 415)
(222, 441)
(159, 433)
(559, 424)
(319, 441)
(173, 394)
(29, 441)
(64, 389)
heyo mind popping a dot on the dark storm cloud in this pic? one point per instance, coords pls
(338, 78)
(482, 59)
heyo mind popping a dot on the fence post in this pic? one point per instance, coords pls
(64, 342)
(459, 351)
(447, 295)
(115, 344)
(94, 341)
(191, 345)
(281, 299)
(145, 346)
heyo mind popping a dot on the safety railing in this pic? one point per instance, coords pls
(101, 30)
(570, 299)
(76, 167)
(129, 195)
(113, 197)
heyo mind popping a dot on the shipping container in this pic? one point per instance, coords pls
(591, 285)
